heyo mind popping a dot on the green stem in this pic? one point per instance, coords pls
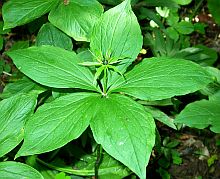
(98, 160)
(105, 80)
(80, 172)
(70, 170)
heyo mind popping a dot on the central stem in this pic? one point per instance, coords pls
(105, 80)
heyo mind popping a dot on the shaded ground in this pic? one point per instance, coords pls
(200, 154)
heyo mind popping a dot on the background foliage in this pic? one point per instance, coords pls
(109, 89)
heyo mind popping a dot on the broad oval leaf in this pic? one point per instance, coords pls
(117, 34)
(201, 114)
(14, 112)
(50, 35)
(53, 67)
(23, 85)
(161, 78)
(161, 116)
(125, 130)
(184, 27)
(16, 13)
(12, 170)
(57, 123)
(76, 17)
(172, 33)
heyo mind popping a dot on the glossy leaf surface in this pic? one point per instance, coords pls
(57, 123)
(201, 114)
(125, 130)
(161, 78)
(76, 18)
(161, 116)
(117, 34)
(85, 166)
(50, 35)
(16, 13)
(12, 170)
(14, 112)
(53, 67)
(184, 27)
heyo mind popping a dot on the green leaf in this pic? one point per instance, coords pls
(1, 42)
(2, 32)
(110, 2)
(176, 157)
(200, 27)
(16, 13)
(1, 70)
(19, 45)
(201, 114)
(195, 54)
(212, 55)
(117, 34)
(53, 66)
(184, 27)
(115, 2)
(12, 170)
(76, 18)
(86, 56)
(50, 35)
(24, 85)
(173, 34)
(163, 173)
(161, 116)
(7, 68)
(163, 102)
(111, 167)
(125, 131)
(161, 78)
(160, 44)
(215, 96)
(183, 2)
(62, 175)
(213, 6)
(159, 3)
(46, 172)
(212, 160)
(84, 166)
(172, 143)
(90, 64)
(57, 123)
(147, 13)
(14, 112)
(214, 72)
(163, 12)
(173, 18)
(99, 72)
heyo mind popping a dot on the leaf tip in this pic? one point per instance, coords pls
(17, 156)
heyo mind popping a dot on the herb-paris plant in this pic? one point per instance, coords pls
(121, 125)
